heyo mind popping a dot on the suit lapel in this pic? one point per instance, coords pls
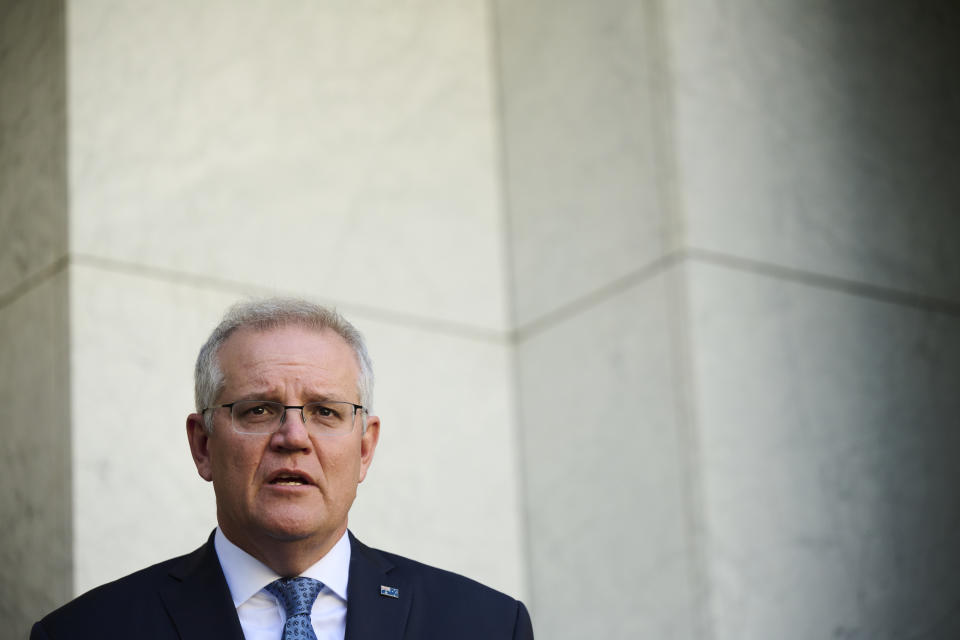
(198, 599)
(369, 613)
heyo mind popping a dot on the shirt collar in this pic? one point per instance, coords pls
(246, 575)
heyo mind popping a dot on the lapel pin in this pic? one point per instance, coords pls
(390, 592)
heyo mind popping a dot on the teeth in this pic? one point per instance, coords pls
(289, 481)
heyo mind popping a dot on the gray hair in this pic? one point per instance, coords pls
(273, 313)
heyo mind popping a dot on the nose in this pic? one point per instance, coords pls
(292, 433)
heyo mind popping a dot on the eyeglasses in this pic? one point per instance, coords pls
(262, 417)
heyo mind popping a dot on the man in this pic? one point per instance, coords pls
(283, 430)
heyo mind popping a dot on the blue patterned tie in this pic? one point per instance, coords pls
(297, 596)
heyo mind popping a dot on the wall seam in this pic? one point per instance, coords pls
(33, 280)
(224, 285)
(858, 288)
(516, 333)
(656, 266)
(510, 290)
(677, 311)
(68, 305)
(599, 295)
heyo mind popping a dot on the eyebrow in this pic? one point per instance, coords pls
(272, 395)
(259, 394)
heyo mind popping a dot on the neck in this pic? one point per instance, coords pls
(288, 558)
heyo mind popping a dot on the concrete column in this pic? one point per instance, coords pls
(346, 152)
(35, 506)
(817, 152)
(341, 151)
(723, 295)
(609, 465)
(736, 288)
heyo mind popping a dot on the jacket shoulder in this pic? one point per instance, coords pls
(447, 604)
(135, 597)
(456, 585)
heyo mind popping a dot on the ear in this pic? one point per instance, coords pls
(368, 444)
(199, 446)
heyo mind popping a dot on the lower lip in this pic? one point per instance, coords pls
(290, 487)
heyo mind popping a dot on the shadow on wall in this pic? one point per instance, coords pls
(894, 136)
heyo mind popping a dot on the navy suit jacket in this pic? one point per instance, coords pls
(188, 598)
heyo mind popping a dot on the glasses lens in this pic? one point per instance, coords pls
(330, 417)
(256, 416)
(264, 417)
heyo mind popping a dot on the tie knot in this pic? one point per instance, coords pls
(297, 595)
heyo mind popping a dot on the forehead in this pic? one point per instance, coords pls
(307, 354)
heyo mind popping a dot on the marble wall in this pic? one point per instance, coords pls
(35, 499)
(662, 297)
(33, 213)
(35, 505)
(820, 138)
(736, 291)
(607, 470)
(828, 459)
(581, 132)
(343, 151)
(606, 451)
(355, 141)
(815, 149)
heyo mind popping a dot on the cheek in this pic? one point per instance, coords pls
(340, 466)
(236, 463)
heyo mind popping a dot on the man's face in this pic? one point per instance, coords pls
(258, 507)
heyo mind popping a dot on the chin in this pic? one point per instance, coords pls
(291, 527)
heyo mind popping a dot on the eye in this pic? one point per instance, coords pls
(254, 410)
(322, 412)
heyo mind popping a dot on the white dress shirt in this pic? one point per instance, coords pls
(261, 614)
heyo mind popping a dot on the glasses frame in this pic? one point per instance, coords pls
(283, 416)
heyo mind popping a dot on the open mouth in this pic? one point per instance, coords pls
(286, 479)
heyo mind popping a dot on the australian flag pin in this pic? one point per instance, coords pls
(390, 592)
